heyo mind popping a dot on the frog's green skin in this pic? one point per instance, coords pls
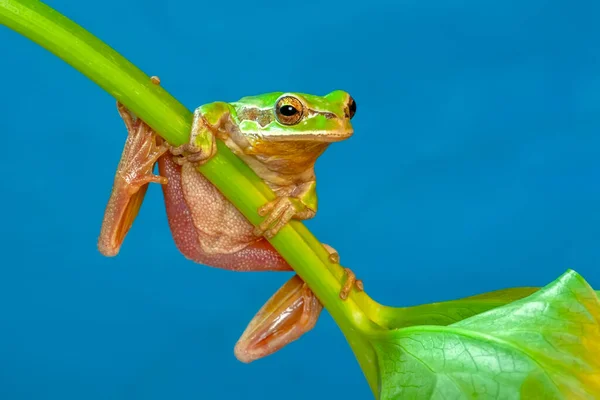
(281, 146)
(283, 154)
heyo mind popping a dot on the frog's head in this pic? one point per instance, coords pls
(283, 117)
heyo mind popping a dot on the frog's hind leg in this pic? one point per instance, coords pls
(134, 173)
(291, 312)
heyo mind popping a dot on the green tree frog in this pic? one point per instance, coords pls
(280, 136)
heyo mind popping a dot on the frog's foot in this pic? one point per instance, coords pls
(291, 312)
(202, 145)
(334, 256)
(350, 282)
(142, 150)
(278, 213)
(134, 173)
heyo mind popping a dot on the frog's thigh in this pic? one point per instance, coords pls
(258, 255)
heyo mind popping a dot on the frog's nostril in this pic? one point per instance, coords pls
(351, 107)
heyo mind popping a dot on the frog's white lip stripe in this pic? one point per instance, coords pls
(325, 136)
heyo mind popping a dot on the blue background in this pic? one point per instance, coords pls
(474, 167)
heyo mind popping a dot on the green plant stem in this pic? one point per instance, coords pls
(230, 175)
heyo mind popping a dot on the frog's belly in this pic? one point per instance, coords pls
(207, 228)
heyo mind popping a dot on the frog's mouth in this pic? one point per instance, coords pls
(317, 137)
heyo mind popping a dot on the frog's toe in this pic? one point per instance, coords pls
(351, 281)
(184, 149)
(193, 154)
(277, 213)
(199, 158)
(287, 215)
(269, 211)
(334, 256)
(264, 227)
(127, 116)
(150, 178)
(267, 208)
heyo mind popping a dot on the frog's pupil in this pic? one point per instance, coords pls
(287, 110)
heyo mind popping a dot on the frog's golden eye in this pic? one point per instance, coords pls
(289, 110)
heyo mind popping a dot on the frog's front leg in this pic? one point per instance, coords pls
(302, 204)
(206, 126)
(134, 173)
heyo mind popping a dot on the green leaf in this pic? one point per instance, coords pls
(545, 346)
(449, 312)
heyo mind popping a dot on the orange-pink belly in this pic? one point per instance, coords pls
(207, 228)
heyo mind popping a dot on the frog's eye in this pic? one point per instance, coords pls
(351, 107)
(289, 110)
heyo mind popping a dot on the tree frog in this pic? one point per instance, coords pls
(280, 136)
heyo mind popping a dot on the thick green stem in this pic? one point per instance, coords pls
(230, 175)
